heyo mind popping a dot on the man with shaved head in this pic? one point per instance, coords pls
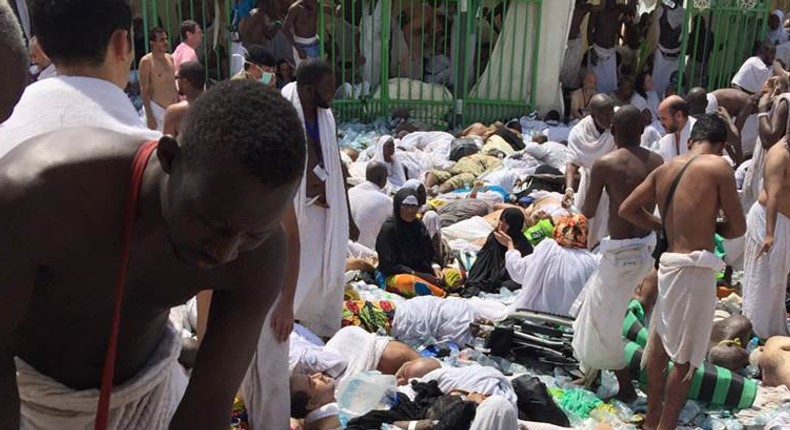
(588, 141)
(13, 57)
(673, 113)
(370, 205)
(626, 253)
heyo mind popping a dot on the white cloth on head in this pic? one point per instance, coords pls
(474, 379)
(444, 319)
(670, 147)
(598, 342)
(765, 278)
(571, 64)
(158, 112)
(683, 314)
(370, 207)
(361, 350)
(71, 101)
(587, 145)
(713, 103)
(605, 69)
(752, 75)
(323, 234)
(778, 36)
(433, 223)
(266, 387)
(396, 175)
(146, 401)
(496, 413)
(551, 277)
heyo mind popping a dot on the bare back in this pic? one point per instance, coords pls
(622, 171)
(606, 27)
(732, 100)
(160, 79)
(305, 19)
(576, 21)
(776, 177)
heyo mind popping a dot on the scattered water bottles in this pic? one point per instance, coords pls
(365, 392)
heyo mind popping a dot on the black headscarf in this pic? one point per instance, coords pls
(404, 246)
(489, 272)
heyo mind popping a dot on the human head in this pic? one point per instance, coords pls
(14, 59)
(37, 55)
(191, 33)
(191, 77)
(627, 126)
(316, 81)
(285, 69)
(775, 19)
(697, 100)
(775, 85)
(261, 65)
(511, 221)
(539, 138)
(626, 89)
(232, 173)
(310, 392)
(768, 54)
(590, 81)
(710, 133)
(570, 231)
(416, 369)
(644, 83)
(673, 113)
(552, 116)
(405, 205)
(78, 34)
(157, 38)
(729, 356)
(602, 110)
(419, 187)
(377, 173)
(387, 148)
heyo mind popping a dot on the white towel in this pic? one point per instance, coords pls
(322, 262)
(598, 341)
(71, 101)
(361, 350)
(147, 401)
(752, 75)
(587, 145)
(606, 69)
(713, 103)
(158, 112)
(683, 315)
(765, 279)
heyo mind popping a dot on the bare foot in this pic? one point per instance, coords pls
(651, 421)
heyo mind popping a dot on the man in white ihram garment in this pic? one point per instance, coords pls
(753, 73)
(669, 22)
(590, 140)
(603, 29)
(324, 227)
(673, 113)
(570, 74)
(370, 205)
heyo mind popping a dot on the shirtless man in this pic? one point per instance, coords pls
(737, 105)
(301, 28)
(773, 361)
(191, 81)
(669, 22)
(626, 253)
(208, 217)
(767, 254)
(13, 57)
(603, 29)
(157, 83)
(683, 315)
(569, 76)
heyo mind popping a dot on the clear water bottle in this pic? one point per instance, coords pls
(365, 392)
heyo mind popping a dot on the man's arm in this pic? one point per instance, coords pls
(771, 129)
(633, 207)
(171, 117)
(591, 25)
(772, 183)
(232, 335)
(353, 230)
(734, 224)
(571, 170)
(282, 321)
(145, 91)
(594, 191)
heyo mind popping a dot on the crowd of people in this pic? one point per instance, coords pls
(243, 239)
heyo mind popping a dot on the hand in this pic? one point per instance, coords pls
(567, 199)
(765, 248)
(504, 239)
(151, 122)
(764, 103)
(724, 114)
(353, 231)
(282, 320)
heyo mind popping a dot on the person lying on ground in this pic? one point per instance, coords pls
(421, 318)
(461, 174)
(407, 258)
(773, 360)
(554, 274)
(728, 340)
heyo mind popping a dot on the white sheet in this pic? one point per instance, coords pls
(475, 379)
(469, 229)
(370, 207)
(765, 279)
(598, 341)
(497, 413)
(147, 401)
(71, 101)
(551, 277)
(306, 355)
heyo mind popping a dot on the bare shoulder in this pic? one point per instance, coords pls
(654, 161)
(177, 109)
(146, 58)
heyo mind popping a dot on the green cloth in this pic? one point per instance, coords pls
(541, 230)
(579, 402)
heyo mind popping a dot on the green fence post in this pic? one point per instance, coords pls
(145, 26)
(683, 49)
(460, 64)
(536, 55)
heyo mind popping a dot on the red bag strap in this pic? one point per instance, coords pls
(108, 371)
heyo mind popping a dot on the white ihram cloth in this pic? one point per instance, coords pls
(474, 379)
(669, 147)
(361, 350)
(370, 207)
(587, 145)
(606, 69)
(397, 175)
(765, 279)
(713, 103)
(753, 183)
(158, 113)
(778, 36)
(323, 235)
(306, 355)
(569, 75)
(752, 75)
(683, 315)
(664, 64)
(147, 401)
(598, 342)
(551, 277)
(498, 413)
(71, 101)
(444, 319)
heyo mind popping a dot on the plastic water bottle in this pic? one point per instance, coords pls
(623, 411)
(365, 392)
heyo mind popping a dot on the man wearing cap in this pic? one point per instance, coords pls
(259, 65)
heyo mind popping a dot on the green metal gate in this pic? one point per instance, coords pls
(722, 35)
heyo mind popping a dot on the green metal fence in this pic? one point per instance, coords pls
(722, 35)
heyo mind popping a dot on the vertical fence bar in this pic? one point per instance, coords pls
(536, 55)
(461, 60)
(683, 50)
(145, 25)
(386, 29)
